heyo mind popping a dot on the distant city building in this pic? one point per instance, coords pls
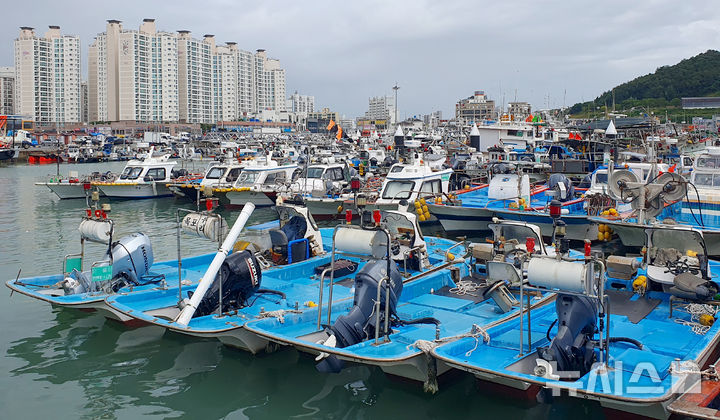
(381, 108)
(7, 90)
(84, 102)
(301, 103)
(518, 111)
(47, 76)
(317, 122)
(149, 76)
(475, 108)
(701, 102)
(195, 84)
(133, 74)
(432, 120)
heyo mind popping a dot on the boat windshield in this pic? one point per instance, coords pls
(315, 172)
(512, 231)
(706, 180)
(398, 190)
(215, 172)
(399, 227)
(247, 177)
(287, 213)
(131, 172)
(709, 162)
(681, 240)
(601, 178)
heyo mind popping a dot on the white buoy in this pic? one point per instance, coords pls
(207, 279)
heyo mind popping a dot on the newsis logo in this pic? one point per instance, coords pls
(638, 380)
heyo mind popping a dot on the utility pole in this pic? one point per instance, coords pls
(396, 88)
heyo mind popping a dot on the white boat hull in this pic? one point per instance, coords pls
(456, 218)
(240, 198)
(65, 190)
(135, 191)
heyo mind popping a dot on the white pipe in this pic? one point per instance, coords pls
(207, 279)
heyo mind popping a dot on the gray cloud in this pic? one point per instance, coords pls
(549, 52)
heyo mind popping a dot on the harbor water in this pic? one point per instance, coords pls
(61, 363)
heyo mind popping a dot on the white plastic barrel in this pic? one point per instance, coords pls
(361, 242)
(560, 275)
(210, 226)
(96, 230)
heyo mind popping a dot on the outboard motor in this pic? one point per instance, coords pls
(359, 324)
(562, 187)
(572, 347)
(240, 276)
(132, 257)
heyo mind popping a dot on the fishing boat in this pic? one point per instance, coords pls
(405, 183)
(510, 196)
(630, 333)
(305, 287)
(257, 182)
(445, 298)
(127, 266)
(217, 174)
(658, 203)
(75, 186)
(147, 178)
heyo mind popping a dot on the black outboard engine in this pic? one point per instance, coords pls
(359, 324)
(562, 187)
(572, 347)
(240, 276)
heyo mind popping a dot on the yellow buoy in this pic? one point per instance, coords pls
(422, 201)
(449, 256)
(424, 208)
(601, 228)
(607, 236)
(640, 283)
(421, 217)
(417, 204)
(340, 209)
(310, 304)
(601, 236)
(691, 253)
(707, 320)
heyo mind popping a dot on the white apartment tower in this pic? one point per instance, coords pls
(302, 103)
(133, 75)
(381, 108)
(269, 83)
(47, 76)
(195, 78)
(225, 82)
(150, 76)
(7, 90)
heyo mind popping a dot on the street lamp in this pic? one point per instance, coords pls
(396, 88)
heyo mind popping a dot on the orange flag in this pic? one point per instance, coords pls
(330, 125)
(339, 133)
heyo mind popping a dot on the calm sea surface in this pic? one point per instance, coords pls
(60, 363)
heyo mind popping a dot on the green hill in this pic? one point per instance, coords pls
(696, 76)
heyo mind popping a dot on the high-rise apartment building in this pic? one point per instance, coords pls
(47, 76)
(301, 103)
(7, 90)
(146, 75)
(133, 74)
(195, 78)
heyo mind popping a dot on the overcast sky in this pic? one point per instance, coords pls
(343, 52)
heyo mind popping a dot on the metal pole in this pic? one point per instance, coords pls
(177, 217)
(521, 317)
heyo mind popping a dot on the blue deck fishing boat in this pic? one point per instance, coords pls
(510, 196)
(631, 337)
(303, 289)
(431, 307)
